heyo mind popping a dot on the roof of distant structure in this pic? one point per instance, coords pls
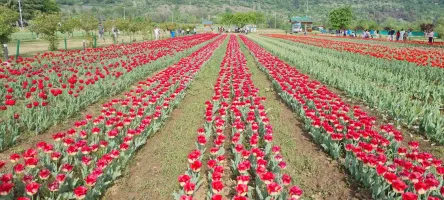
(207, 22)
(301, 19)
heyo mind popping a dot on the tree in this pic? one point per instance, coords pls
(88, 23)
(390, 23)
(7, 19)
(50, 6)
(32, 8)
(426, 27)
(122, 24)
(340, 18)
(242, 19)
(48, 25)
(439, 27)
(69, 24)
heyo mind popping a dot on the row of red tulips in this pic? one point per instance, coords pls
(384, 39)
(35, 100)
(212, 131)
(373, 155)
(255, 162)
(83, 161)
(422, 57)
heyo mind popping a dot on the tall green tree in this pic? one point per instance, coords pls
(48, 25)
(7, 19)
(340, 18)
(88, 23)
(69, 24)
(439, 28)
(242, 18)
(32, 8)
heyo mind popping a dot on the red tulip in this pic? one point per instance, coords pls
(183, 179)
(80, 192)
(189, 188)
(90, 180)
(267, 177)
(216, 197)
(217, 187)
(6, 188)
(195, 166)
(9, 102)
(409, 196)
(286, 179)
(44, 174)
(295, 192)
(54, 186)
(420, 187)
(32, 188)
(2, 163)
(61, 178)
(274, 189)
(31, 162)
(242, 189)
(18, 168)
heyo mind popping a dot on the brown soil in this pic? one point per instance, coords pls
(313, 170)
(153, 172)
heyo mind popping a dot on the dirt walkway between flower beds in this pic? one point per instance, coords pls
(30, 141)
(313, 170)
(153, 172)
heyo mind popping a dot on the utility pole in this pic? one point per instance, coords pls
(124, 15)
(306, 11)
(20, 11)
(275, 20)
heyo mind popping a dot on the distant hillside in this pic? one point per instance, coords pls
(379, 10)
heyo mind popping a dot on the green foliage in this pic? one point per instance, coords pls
(170, 26)
(48, 25)
(32, 8)
(341, 18)
(122, 24)
(135, 26)
(439, 28)
(7, 19)
(242, 18)
(88, 23)
(69, 24)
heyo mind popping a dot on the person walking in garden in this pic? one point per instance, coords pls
(401, 35)
(157, 32)
(398, 34)
(101, 32)
(431, 34)
(406, 35)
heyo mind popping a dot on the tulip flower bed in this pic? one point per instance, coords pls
(256, 163)
(83, 161)
(422, 57)
(373, 155)
(383, 39)
(39, 92)
(410, 95)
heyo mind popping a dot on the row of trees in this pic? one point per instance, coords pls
(343, 18)
(32, 8)
(242, 19)
(50, 24)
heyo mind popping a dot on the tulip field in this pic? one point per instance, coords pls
(225, 116)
